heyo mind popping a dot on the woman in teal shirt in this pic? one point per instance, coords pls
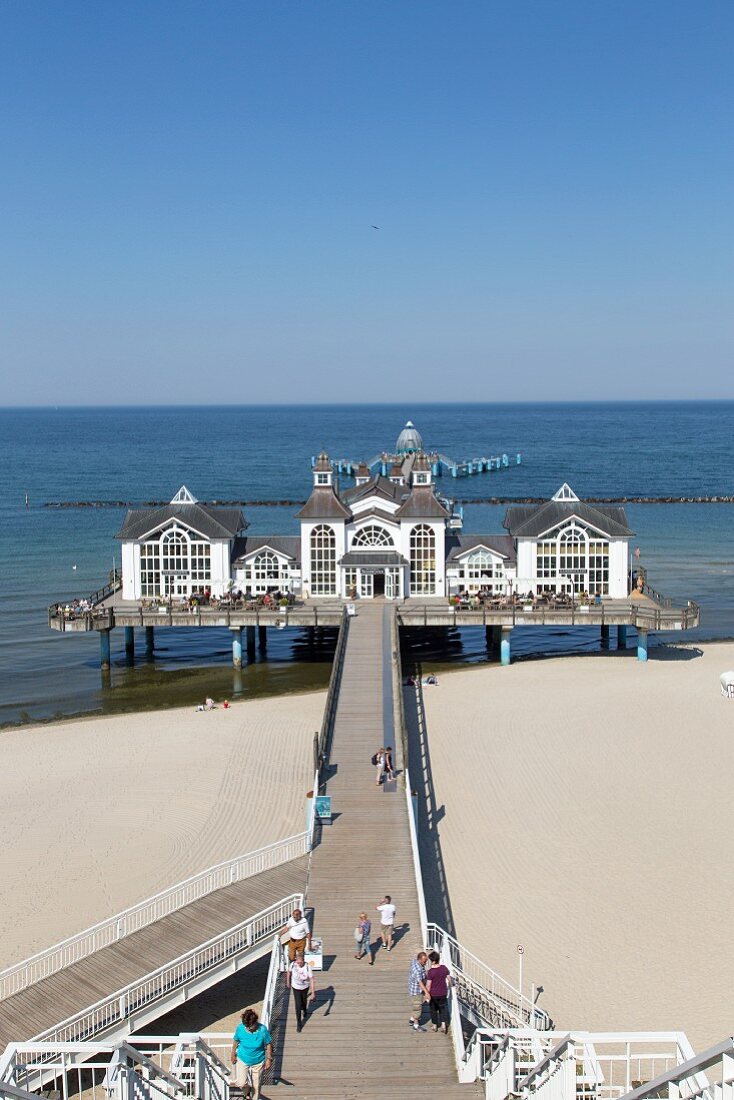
(252, 1053)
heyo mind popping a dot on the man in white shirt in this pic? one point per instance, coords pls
(386, 909)
(299, 934)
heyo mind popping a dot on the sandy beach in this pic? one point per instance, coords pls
(585, 812)
(101, 813)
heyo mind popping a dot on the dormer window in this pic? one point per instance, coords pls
(323, 479)
(422, 478)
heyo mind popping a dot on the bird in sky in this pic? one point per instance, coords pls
(376, 227)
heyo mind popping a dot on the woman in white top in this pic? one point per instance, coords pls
(299, 978)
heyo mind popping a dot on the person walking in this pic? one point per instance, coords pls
(252, 1054)
(362, 934)
(299, 978)
(299, 934)
(389, 772)
(417, 989)
(379, 762)
(438, 982)
(387, 910)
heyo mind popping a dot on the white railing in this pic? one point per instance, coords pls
(579, 1065)
(416, 853)
(271, 985)
(166, 980)
(114, 1072)
(143, 913)
(492, 999)
(311, 824)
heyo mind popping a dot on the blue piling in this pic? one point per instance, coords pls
(519, 459)
(236, 646)
(104, 649)
(505, 652)
(641, 645)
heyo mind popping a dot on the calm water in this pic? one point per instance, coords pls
(264, 454)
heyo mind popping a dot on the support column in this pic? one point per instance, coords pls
(494, 641)
(236, 646)
(605, 637)
(505, 645)
(262, 638)
(251, 643)
(104, 649)
(621, 637)
(149, 639)
(129, 641)
(641, 645)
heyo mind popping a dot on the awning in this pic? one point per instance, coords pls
(374, 559)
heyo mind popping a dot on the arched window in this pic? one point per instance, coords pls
(372, 536)
(175, 551)
(572, 556)
(266, 567)
(323, 561)
(422, 561)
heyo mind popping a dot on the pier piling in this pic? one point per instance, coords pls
(604, 631)
(236, 646)
(505, 651)
(130, 641)
(149, 639)
(641, 645)
(621, 637)
(104, 650)
(262, 638)
(251, 643)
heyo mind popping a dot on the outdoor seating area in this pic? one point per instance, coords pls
(546, 601)
(232, 601)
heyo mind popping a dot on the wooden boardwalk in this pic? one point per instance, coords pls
(357, 1043)
(77, 987)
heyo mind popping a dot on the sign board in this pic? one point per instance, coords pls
(315, 957)
(323, 808)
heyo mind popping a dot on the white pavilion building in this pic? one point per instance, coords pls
(393, 536)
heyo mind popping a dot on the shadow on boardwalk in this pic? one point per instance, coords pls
(430, 815)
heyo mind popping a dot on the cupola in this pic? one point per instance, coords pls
(323, 475)
(409, 440)
(421, 470)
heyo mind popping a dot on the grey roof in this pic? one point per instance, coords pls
(376, 558)
(409, 439)
(376, 486)
(290, 545)
(422, 504)
(528, 520)
(456, 545)
(212, 522)
(377, 513)
(323, 504)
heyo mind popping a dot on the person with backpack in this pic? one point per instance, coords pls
(378, 761)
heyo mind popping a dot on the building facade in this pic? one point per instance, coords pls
(389, 536)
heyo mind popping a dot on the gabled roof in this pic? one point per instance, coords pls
(376, 486)
(287, 545)
(458, 545)
(323, 504)
(212, 522)
(422, 504)
(377, 513)
(531, 520)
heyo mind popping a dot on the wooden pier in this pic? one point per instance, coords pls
(357, 1043)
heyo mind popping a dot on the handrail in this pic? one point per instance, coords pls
(416, 858)
(327, 723)
(690, 1068)
(174, 975)
(398, 701)
(552, 1056)
(627, 614)
(69, 951)
(271, 985)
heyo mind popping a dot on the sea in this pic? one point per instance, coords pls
(261, 454)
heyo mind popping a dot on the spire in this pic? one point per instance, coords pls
(322, 472)
(183, 496)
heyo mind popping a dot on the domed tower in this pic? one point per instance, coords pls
(409, 440)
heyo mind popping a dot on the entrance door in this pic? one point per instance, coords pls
(392, 584)
(379, 584)
(366, 585)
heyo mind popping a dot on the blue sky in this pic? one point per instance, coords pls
(188, 193)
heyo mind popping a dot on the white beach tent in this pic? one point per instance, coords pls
(727, 684)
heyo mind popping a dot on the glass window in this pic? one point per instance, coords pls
(572, 557)
(483, 570)
(150, 569)
(599, 568)
(422, 561)
(265, 571)
(546, 563)
(372, 536)
(323, 561)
